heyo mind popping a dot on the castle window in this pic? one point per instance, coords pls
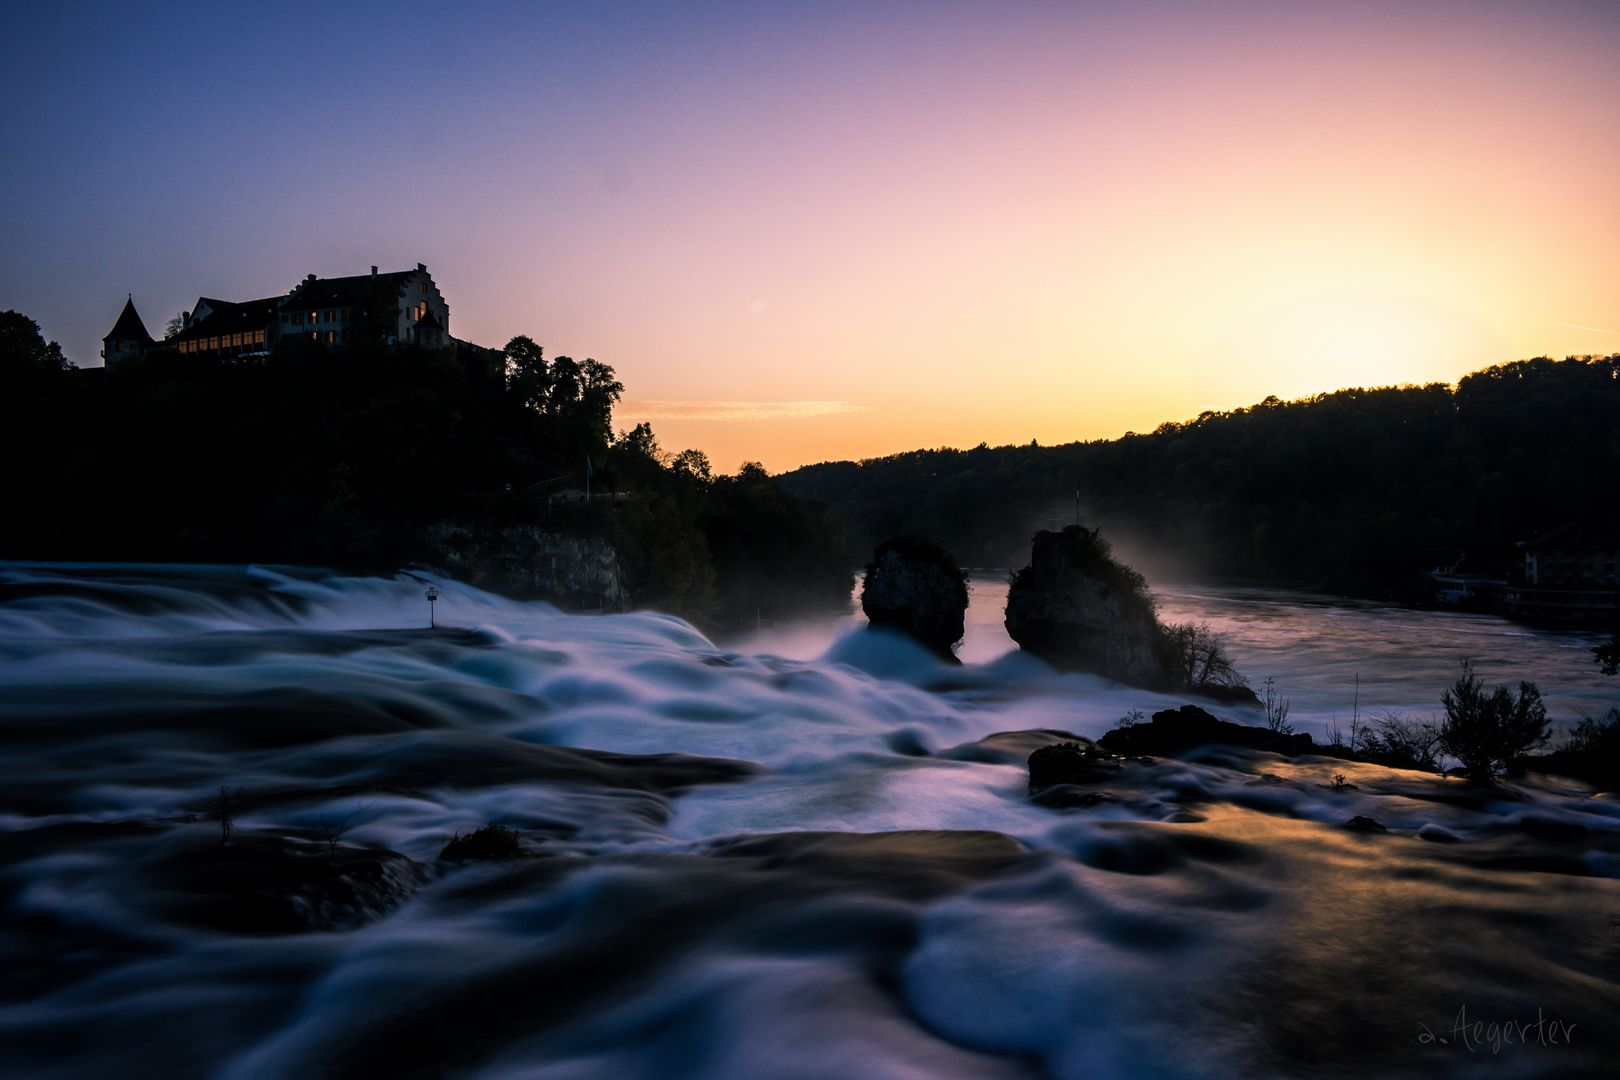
(331, 315)
(424, 286)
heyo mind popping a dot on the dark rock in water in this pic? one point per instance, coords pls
(1070, 763)
(1601, 769)
(1181, 729)
(493, 841)
(907, 741)
(1363, 823)
(524, 561)
(1078, 609)
(259, 884)
(1009, 747)
(915, 586)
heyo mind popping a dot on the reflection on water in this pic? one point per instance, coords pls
(1331, 657)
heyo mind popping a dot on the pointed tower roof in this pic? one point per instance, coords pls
(129, 326)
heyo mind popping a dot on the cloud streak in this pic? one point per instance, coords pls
(733, 410)
(1577, 326)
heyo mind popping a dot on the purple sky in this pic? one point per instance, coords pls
(813, 232)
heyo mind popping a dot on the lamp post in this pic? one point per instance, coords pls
(432, 595)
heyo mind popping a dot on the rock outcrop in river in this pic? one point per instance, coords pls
(1078, 609)
(1173, 730)
(914, 586)
(525, 562)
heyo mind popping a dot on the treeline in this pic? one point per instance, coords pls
(342, 456)
(1357, 491)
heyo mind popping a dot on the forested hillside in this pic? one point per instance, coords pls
(1356, 490)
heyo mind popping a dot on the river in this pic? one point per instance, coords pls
(228, 793)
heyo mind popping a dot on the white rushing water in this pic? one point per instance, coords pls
(812, 854)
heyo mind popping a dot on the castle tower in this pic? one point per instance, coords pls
(127, 338)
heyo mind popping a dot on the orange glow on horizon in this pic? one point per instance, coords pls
(1381, 215)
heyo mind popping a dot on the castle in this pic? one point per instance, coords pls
(321, 309)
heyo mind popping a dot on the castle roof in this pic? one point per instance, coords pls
(129, 326)
(342, 291)
(224, 317)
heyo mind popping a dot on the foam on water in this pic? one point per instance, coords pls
(803, 861)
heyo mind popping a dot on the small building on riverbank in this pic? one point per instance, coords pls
(1569, 574)
(1470, 584)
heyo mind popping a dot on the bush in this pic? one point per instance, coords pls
(1597, 744)
(1195, 660)
(1484, 731)
(1401, 742)
(493, 841)
(1275, 706)
(1607, 655)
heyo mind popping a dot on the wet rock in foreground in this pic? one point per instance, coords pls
(259, 884)
(1070, 763)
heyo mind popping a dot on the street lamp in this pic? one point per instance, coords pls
(432, 595)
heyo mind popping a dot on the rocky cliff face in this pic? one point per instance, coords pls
(1079, 610)
(915, 586)
(524, 562)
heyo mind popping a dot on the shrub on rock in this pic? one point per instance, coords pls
(1487, 730)
(493, 841)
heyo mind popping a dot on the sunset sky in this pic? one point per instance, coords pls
(811, 232)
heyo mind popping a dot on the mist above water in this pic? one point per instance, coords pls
(1333, 658)
(813, 855)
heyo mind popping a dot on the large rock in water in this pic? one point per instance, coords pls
(915, 586)
(576, 573)
(1174, 730)
(1079, 610)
